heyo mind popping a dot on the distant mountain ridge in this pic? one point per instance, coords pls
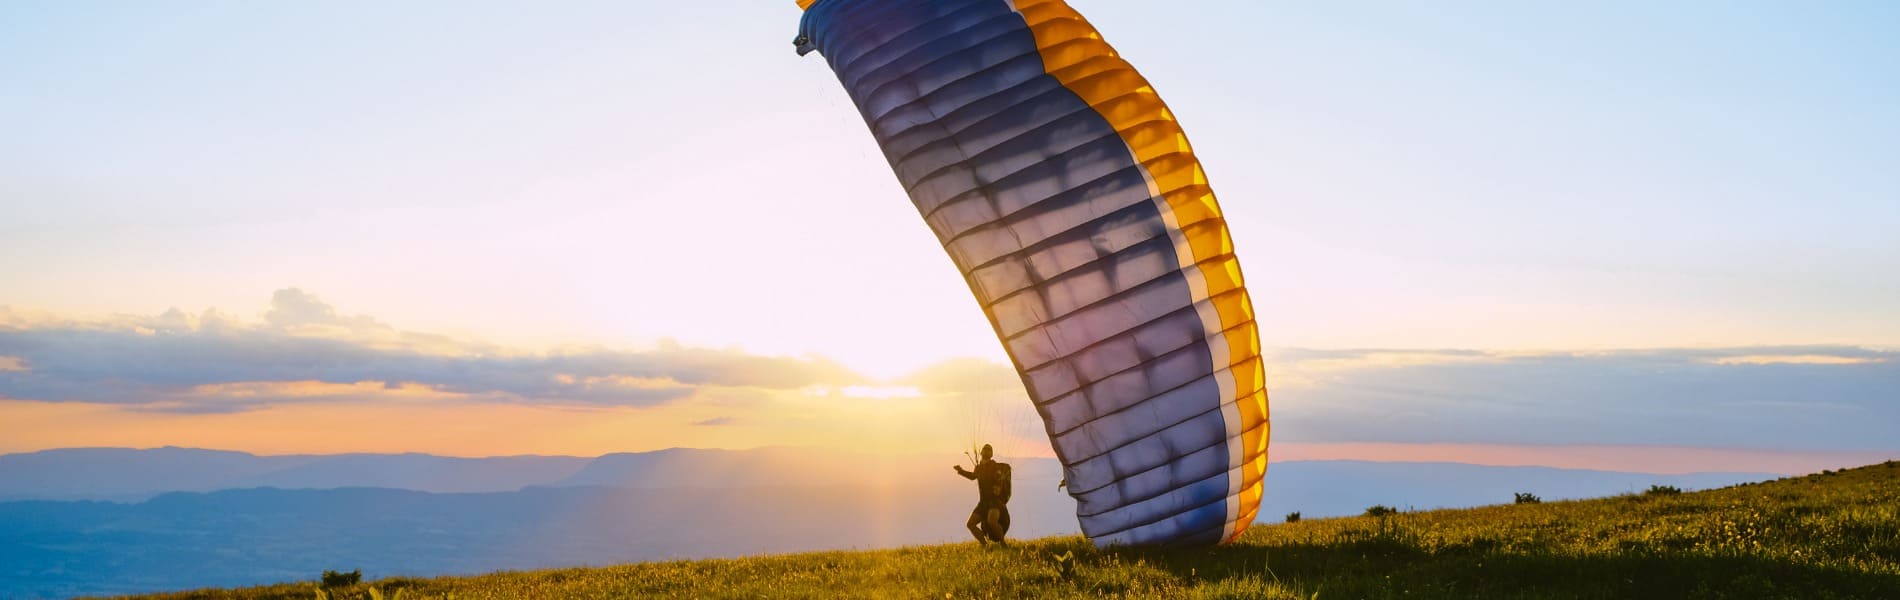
(132, 475)
(128, 475)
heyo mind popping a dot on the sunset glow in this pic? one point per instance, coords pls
(532, 238)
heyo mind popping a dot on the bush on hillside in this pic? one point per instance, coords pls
(339, 579)
(1663, 490)
(1527, 498)
(1381, 510)
(1293, 517)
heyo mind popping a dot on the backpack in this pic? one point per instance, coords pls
(1000, 482)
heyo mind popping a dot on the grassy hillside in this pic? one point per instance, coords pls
(1832, 535)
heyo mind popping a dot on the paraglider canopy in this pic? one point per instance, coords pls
(1070, 200)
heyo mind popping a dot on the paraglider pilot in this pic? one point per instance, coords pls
(990, 521)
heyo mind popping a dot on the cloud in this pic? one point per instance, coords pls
(1836, 397)
(1795, 359)
(877, 391)
(304, 350)
(965, 376)
(293, 307)
(713, 422)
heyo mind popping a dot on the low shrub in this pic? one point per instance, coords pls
(340, 579)
(1663, 490)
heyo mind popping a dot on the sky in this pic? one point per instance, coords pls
(624, 226)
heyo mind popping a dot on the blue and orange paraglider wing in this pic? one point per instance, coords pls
(1064, 190)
